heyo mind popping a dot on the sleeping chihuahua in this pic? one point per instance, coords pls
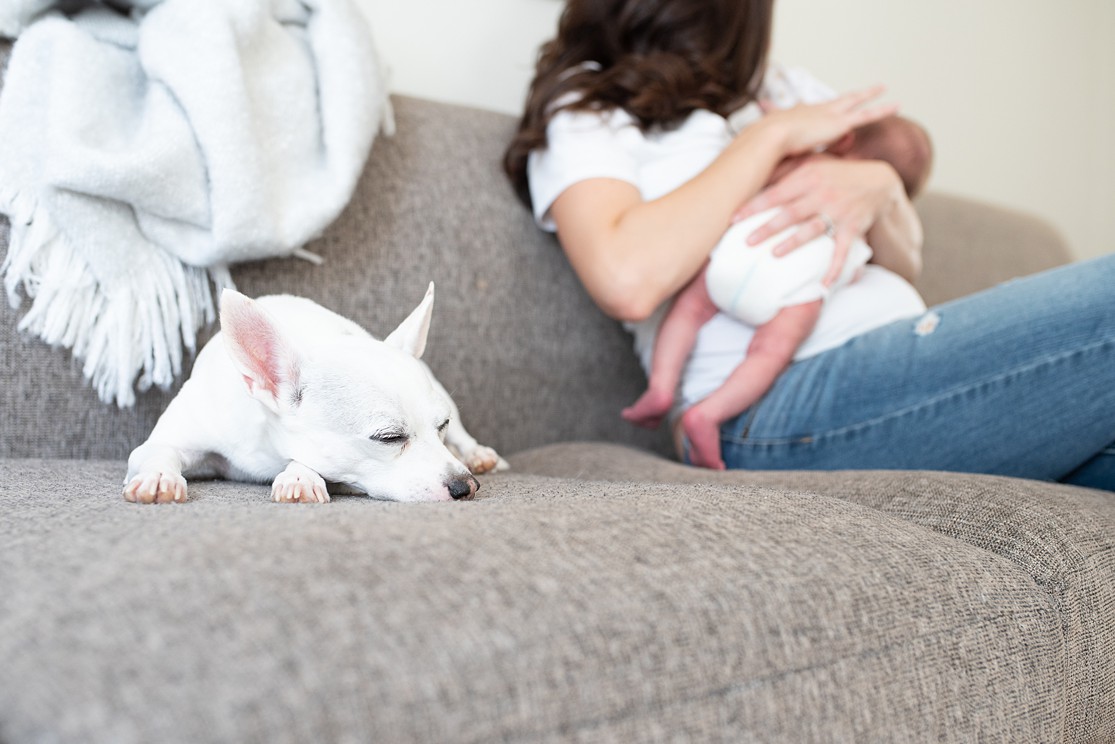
(292, 393)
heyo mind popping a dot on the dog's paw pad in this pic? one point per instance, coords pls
(303, 488)
(485, 460)
(155, 488)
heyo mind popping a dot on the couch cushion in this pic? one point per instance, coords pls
(1062, 536)
(550, 609)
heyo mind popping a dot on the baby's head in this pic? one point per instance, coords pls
(900, 142)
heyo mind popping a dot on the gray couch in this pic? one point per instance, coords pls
(598, 591)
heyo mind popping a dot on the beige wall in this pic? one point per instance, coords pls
(1019, 95)
(476, 52)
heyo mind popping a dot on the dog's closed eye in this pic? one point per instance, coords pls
(392, 437)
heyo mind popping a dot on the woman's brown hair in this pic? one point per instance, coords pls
(658, 59)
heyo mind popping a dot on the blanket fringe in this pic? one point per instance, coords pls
(129, 338)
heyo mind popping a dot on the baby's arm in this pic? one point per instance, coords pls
(771, 350)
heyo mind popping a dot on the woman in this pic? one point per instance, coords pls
(627, 151)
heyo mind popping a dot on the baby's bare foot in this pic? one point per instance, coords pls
(649, 410)
(703, 434)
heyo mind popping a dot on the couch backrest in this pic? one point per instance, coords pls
(515, 339)
(526, 355)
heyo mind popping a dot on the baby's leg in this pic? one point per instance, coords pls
(771, 350)
(692, 308)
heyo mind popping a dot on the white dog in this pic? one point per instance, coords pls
(292, 393)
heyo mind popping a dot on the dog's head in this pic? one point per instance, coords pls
(358, 411)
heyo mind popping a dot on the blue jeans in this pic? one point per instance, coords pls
(1017, 380)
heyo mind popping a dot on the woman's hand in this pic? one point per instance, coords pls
(804, 128)
(823, 194)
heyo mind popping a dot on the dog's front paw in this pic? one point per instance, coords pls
(299, 485)
(155, 487)
(484, 460)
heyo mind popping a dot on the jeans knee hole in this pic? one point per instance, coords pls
(927, 324)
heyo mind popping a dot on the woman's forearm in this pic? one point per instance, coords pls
(896, 237)
(633, 255)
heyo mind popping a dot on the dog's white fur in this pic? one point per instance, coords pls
(292, 393)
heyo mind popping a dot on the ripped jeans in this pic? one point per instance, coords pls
(1016, 380)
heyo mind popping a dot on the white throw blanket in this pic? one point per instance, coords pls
(142, 154)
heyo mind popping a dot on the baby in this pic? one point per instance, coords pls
(780, 297)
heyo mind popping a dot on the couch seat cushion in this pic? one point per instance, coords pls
(1062, 536)
(550, 609)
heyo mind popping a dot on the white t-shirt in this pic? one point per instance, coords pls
(582, 145)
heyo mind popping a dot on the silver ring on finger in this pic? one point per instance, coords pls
(830, 226)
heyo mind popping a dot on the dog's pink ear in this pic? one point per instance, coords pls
(263, 357)
(411, 334)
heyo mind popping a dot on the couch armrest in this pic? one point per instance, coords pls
(970, 245)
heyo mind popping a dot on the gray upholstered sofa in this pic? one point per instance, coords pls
(597, 592)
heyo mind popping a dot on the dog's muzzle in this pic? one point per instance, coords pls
(463, 487)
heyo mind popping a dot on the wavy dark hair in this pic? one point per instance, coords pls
(658, 59)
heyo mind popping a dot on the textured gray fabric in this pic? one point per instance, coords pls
(513, 331)
(1064, 537)
(549, 610)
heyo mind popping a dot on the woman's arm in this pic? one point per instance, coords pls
(896, 238)
(633, 255)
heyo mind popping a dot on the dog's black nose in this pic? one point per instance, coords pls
(464, 487)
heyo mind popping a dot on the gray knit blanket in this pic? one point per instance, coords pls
(147, 145)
